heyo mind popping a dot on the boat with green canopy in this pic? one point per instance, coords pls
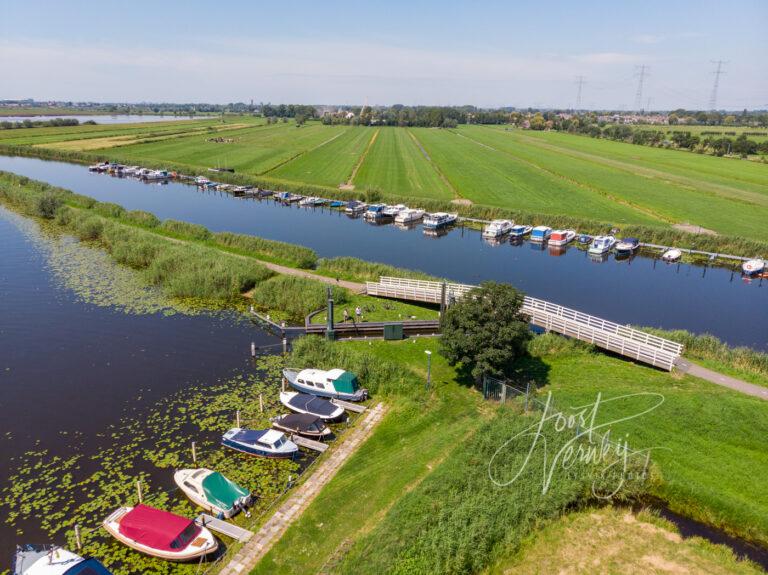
(334, 383)
(213, 492)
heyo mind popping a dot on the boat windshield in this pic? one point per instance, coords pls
(185, 537)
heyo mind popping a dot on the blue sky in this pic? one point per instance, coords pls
(410, 52)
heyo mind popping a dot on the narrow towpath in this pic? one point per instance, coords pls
(263, 540)
(285, 270)
(697, 370)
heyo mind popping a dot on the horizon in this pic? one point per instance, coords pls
(448, 54)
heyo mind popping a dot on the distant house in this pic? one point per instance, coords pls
(349, 115)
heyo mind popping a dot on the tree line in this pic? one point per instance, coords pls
(53, 123)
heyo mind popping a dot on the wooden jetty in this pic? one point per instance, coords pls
(349, 406)
(228, 529)
(309, 443)
(621, 339)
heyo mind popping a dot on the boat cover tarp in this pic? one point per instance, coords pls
(312, 404)
(249, 435)
(300, 421)
(346, 383)
(222, 492)
(88, 567)
(153, 527)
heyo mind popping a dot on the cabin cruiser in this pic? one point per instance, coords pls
(393, 211)
(301, 424)
(541, 233)
(409, 216)
(602, 244)
(375, 212)
(561, 237)
(439, 220)
(497, 228)
(335, 383)
(354, 207)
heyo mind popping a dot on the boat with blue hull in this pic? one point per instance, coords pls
(52, 560)
(519, 231)
(334, 383)
(260, 442)
(541, 233)
(311, 404)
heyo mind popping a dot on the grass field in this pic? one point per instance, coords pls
(708, 452)
(397, 165)
(530, 172)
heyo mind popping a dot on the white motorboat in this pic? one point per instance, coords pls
(498, 228)
(671, 255)
(753, 267)
(602, 244)
(53, 560)
(409, 216)
(561, 237)
(439, 220)
(334, 383)
(393, 211)
(213, 492)
(520, 231)
(261, 442)
(202, 181)
(311, 404)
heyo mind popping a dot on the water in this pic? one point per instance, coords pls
(643, 291)
(102, 118)
(70, 369)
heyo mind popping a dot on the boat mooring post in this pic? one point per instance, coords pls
(285, 344)
(78, 541)
(138, 490)
(261, 403)
(253, 349)
(329, 332)
(429, 369)
(237, 418)
(194, 453)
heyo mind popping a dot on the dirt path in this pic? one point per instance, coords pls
(697, 370)
(291, 509)
(285, 270)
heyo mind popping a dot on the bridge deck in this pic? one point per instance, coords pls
(621, 339)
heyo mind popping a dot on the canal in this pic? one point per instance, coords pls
(75, 369)
(642, 291)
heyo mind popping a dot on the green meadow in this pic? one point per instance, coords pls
(533, 174)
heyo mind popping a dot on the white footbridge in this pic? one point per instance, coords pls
(621, 339)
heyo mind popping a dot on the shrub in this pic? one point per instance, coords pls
(296, 255)
(354, 269)
(47, 205)
(108, 209)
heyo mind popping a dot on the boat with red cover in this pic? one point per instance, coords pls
(160, 533)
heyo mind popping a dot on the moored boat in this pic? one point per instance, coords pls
(334, 383)
(671, 255)
(439, 220)
(53, 560)
(375, 212)
(160, 533)
(409, 216)
(354, 207)
(260, 442)
(627, 246)
(393, 211)
(520, 231)
(202, 181)
(561, 237)
(336, 204)
(541, 233)
(311, 404)
(602, 244)
(157, 175)
(301, 424)
(584, 239)
(498, 228)
(753, 267)
(213, 492)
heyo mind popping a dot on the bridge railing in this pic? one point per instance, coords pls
(623, 339)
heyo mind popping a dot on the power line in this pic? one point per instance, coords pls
(641, 73)
(580, 83)
(718, 72)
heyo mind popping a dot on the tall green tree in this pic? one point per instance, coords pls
(485, 330)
